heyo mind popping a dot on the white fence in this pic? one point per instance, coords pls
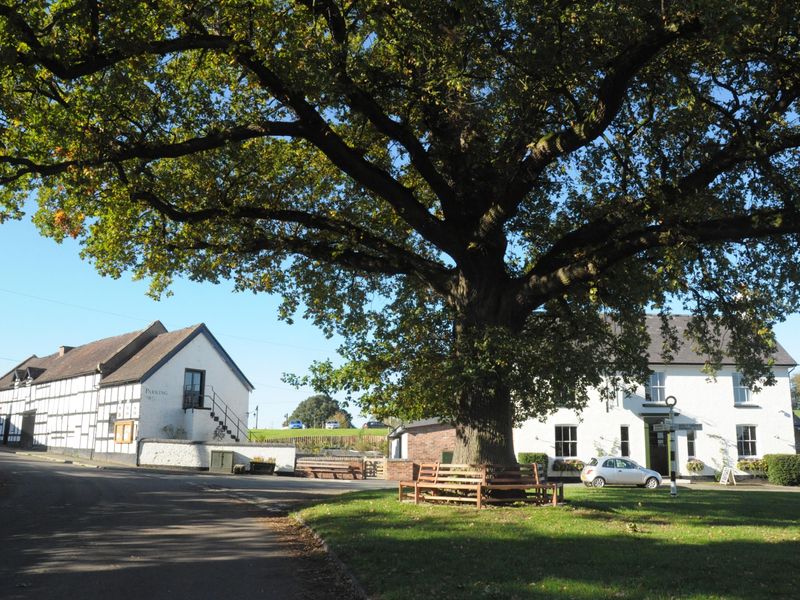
(197, 455)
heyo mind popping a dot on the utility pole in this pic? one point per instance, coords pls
(256, 413)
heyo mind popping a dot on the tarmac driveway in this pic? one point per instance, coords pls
(71, 532)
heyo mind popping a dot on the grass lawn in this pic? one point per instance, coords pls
(279, 434)
(609, 543)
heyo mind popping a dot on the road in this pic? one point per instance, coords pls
(71, 532)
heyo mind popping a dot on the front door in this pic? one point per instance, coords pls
(26, 434)
(6, 429)
(658, 455)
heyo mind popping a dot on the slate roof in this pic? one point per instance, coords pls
(685, 354)
(126, 358)
(150, 358)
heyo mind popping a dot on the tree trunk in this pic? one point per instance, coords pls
(486, 311)
(488, 435)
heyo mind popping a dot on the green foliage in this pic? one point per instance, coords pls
(527, 458)
(753, 465)
(783, 469)
(315, 410)
(465, 192)
(567, 465)
(795, 387)
(695, 465)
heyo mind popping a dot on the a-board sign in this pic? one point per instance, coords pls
(689, 427)
(727, 476)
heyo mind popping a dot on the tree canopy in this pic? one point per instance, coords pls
(483, 198)
(315, 410)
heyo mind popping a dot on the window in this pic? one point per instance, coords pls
(741, 393)
(566, 440)
(123, 432)
(654, 389)
(112, 418)
(193, 388)
(624, 441)
(690, 438)
(746, 440)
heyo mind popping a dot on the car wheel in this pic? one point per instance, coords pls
(598, 482)
(651, 483)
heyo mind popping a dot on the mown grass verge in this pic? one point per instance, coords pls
(609, 543)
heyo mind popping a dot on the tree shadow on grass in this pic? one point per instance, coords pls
(615, 545)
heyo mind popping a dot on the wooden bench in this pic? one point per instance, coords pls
(451, 483)
(320, 466)
(520, 478)
(479, 484)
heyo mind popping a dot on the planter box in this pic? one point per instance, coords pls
(262, 468)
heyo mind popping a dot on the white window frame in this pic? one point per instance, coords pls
(625, 444)
(746, 439)
(655, 390)
(741, 393)
(571, 444)
(691, 444)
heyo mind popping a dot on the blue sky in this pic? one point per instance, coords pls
(49, 297)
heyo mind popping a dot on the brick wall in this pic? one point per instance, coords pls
(426, 444)
(400, 470)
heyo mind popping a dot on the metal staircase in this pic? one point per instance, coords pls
(229, 422)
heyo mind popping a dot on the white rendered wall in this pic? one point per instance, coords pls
(197, 455)
(701, 400)
(162, 393)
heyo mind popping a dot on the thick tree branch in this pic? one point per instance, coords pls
(610, 96)
(737, 228)
(47, 57)
(361, 241)
(373, 178)
(154, 151)
(364, 103)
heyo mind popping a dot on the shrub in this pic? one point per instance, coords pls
(695, 466)
(752, 465)
(527, 458)
(783, 469)
(570, 464)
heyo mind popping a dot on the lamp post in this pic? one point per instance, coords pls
(671, 401)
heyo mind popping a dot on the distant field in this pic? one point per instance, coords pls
(280, 434)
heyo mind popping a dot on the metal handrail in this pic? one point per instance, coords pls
(229, 418)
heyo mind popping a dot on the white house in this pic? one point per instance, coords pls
(102, 398)
(718, 420)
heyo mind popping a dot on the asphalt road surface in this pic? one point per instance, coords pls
(70, 532)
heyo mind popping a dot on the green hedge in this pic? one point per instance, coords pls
(527, 458)
(783, 469)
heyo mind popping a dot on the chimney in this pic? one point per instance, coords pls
(64, 349)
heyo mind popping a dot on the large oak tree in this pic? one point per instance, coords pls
(483, 198)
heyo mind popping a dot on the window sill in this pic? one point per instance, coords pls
(746, 406)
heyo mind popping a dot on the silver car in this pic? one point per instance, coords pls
(616, 470)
